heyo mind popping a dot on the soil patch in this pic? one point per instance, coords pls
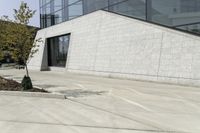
(11, 85)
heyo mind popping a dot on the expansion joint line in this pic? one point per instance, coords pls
(160, 55)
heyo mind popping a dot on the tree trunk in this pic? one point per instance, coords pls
(27, 73)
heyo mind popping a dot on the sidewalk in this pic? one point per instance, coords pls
(97, 104)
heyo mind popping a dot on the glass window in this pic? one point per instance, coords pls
(41, 3)
(48, 1)
(134, 8)
(48, 9)
(175, 12)
(58, 50)
(73, 1)
(43, 11)
(93, 5)
(75, 10)
(57, 17)
(162, 10)
(44, 2)
(111, 2)
(195, 28)
(48, 20)
(43, 17)
(58, 5)
(42, 22)
(190, 5)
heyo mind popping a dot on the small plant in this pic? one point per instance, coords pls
(27, 83)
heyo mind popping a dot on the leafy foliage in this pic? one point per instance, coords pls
(24, 14)
(2, 31)
(17, 37)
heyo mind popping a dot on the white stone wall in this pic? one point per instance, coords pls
(112, 45)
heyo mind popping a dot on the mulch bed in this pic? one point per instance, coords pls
(11, 85)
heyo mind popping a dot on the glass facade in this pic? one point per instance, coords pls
(181, 14)
(58, 50)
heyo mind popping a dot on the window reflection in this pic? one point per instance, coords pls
(58, 17)
(166, 12)
(58, 5)
(58, 50)
(175, 12)
(75, 10)
(93, 5)
(135, 8)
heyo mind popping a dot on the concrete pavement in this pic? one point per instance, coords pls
(39, 115)
(96, 104)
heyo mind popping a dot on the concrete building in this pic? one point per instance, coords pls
(154, 40)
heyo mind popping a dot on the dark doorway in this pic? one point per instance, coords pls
(58, 50)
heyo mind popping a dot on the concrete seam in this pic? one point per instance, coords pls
(159, 60)
(96, 49)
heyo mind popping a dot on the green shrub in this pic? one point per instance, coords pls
(27, 83)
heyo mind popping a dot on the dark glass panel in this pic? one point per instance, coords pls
(42, 21)
(111, 2)
(48, 20)
(43, 17)
(93, 5)
(48, 9)
(58, 5)
(64, 10)
(44, 2)
(41, 3)
(190, 5)
(134, 8)
(195, 28)
(58, 17)
(58, 50)
(73, 1)
(75, 10)
(175, 12)
(48, 1)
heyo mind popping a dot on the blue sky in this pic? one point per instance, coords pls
(7, 6)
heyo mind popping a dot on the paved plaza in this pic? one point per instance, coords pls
(99, 105)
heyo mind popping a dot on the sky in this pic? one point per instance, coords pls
(7, 6)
